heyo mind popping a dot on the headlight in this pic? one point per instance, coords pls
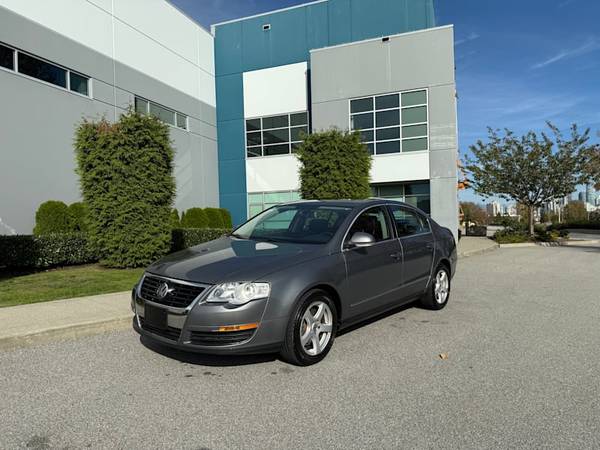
(238, 293)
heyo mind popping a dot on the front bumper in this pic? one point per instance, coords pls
(196, 330)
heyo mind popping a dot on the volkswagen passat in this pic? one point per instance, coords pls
(290, 278)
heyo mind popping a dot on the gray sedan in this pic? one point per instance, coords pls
(293, 276)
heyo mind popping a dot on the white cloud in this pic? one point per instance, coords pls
(591, 45)
(471, 37)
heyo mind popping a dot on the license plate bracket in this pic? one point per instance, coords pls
(155, 317)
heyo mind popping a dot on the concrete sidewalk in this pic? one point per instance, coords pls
(470, 246)
(38, 322)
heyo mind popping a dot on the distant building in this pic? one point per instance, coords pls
(494, 209)
(511, 210)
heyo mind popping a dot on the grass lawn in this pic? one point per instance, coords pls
(19, 288)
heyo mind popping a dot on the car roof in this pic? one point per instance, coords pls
(350, 203)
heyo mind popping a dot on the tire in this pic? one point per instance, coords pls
(437, 294)
(309, 342)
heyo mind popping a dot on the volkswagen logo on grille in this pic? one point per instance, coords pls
(163, 290)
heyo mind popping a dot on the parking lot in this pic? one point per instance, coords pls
(521, 335)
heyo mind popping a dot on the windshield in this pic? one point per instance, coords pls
(302, 223)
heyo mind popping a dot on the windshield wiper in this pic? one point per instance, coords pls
(237, 236)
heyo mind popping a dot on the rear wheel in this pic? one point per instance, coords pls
(438, 292)
(311, 330)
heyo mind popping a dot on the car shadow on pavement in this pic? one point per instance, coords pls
(202, 359)
(377, 318)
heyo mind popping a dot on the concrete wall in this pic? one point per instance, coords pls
(417, 60)
(38, 119)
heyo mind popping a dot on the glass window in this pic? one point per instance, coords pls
(275, 122)
(253, 139)
(7, 57)
(182, 121)
(414, 131)
(297, 133)
(263, 200)
(414, 115)
(303, 223)
(415, 194)
(414, 98)
(379, 119)
(418, 188)
(162, 113)
(388, 118)
(408, 222)
(299, 119)
(271, 150)
(387, 101)
(78, 83)
(362, 121)
(388, 133)
(269, 136)
(414, 145)
(372, 221)
(42, 70)
(388, 147)
(362, 104)
(141, 106)
(276, 136)
(253, 125)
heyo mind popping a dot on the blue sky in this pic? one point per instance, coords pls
(518, 62)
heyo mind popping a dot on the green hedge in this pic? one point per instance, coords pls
(188, 237)
(581, 225)
(227, 221)
(215, 218)
(52, 217)
(66, 249)
(27, 251)
(194, 218)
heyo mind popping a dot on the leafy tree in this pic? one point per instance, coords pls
(592, 165)
(194, 218)
(78, 216)
(530, 170)
(175, 220)
(51, 217)
(474, 213)
(334, 165)
(126, 178)
(215, 218)
(575, 212)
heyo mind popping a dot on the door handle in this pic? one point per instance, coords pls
(429, 246)
(397, 256)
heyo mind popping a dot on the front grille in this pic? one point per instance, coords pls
(220, 338)
(169, 333)
(181, 296)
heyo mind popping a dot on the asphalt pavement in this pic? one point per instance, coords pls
(521, 370)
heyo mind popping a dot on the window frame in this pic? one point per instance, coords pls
(404, 196)
(67, 87)
(391, 225)
(267, 205)
(261, 147)
(400, 108)
(176, 114)
(419, 216)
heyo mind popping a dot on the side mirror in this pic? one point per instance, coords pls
(361, 240)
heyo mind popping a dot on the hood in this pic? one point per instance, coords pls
(231, 259)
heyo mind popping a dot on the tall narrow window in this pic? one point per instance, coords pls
(79, 83)
(42, 70)
(7, 57)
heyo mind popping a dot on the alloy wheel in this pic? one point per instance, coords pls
(442, 287)
(316, 328)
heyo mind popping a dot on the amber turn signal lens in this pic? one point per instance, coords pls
(247, 326)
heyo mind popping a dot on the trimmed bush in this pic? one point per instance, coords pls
(215, 218)
(27, 251)
(508, 236)
(78, 216)
(126, 178)
(188, 237)
(226, 215)
(51, 217)
(334, 165)
(194, 218)
(175, 220)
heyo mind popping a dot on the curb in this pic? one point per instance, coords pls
(478, 251)
(65, 332)
(552, 244)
